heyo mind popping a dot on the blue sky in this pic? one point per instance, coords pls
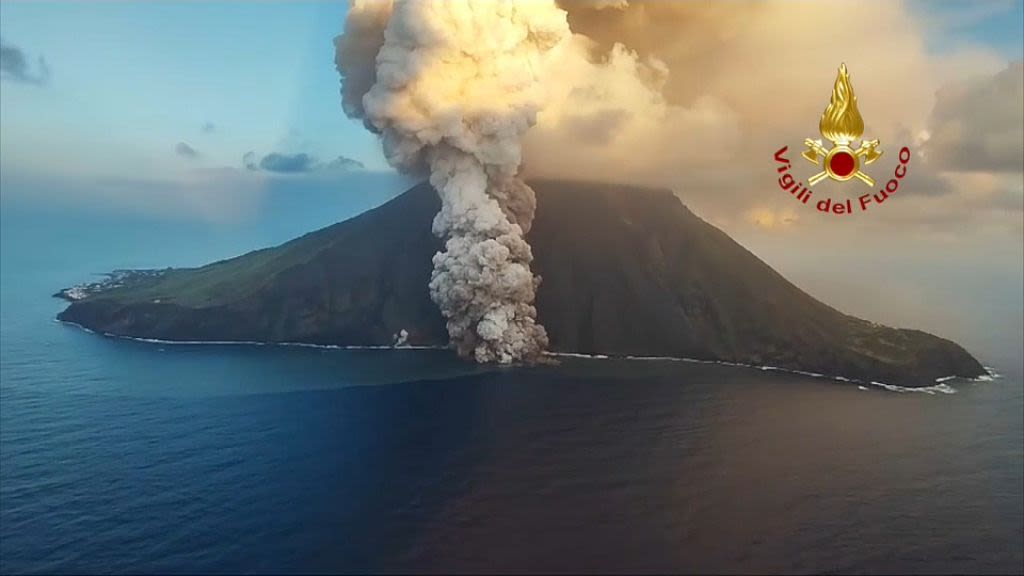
(994, 23)
(130, 80)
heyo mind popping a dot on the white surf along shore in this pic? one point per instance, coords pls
(940, 386)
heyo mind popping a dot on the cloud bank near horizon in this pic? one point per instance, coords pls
(299, 163)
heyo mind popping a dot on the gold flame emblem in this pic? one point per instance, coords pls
(842, 124)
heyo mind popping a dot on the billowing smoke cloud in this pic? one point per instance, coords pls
(692, 96)
(356, 51)
(454, 87)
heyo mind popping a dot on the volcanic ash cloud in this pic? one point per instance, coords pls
(453, 87)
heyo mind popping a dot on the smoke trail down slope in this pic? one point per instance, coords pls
(455, 87)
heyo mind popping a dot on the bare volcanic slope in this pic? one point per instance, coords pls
(626, 271)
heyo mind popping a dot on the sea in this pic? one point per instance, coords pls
(120, 456)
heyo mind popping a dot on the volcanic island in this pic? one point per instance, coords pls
(626, 271)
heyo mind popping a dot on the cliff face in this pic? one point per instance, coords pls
(626, 271)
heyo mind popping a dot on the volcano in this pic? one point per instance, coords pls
(626, 271)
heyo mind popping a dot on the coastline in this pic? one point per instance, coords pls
(940, 386)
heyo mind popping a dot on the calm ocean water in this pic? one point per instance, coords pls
(121, 456)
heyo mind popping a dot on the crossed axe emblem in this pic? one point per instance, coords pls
(816, 153)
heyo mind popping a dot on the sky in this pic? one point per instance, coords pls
(992, 22)
(184, 109)
(128, 81)
(163, 88)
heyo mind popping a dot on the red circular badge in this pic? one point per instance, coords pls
(842, 164)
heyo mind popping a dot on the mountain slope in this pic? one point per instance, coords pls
(626, 271)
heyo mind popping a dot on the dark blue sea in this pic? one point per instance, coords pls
(131, 457)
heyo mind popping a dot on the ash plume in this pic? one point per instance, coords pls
(654, 93)
(453, 87)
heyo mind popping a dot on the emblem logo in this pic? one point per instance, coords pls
(843, 126)
(841, 123)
